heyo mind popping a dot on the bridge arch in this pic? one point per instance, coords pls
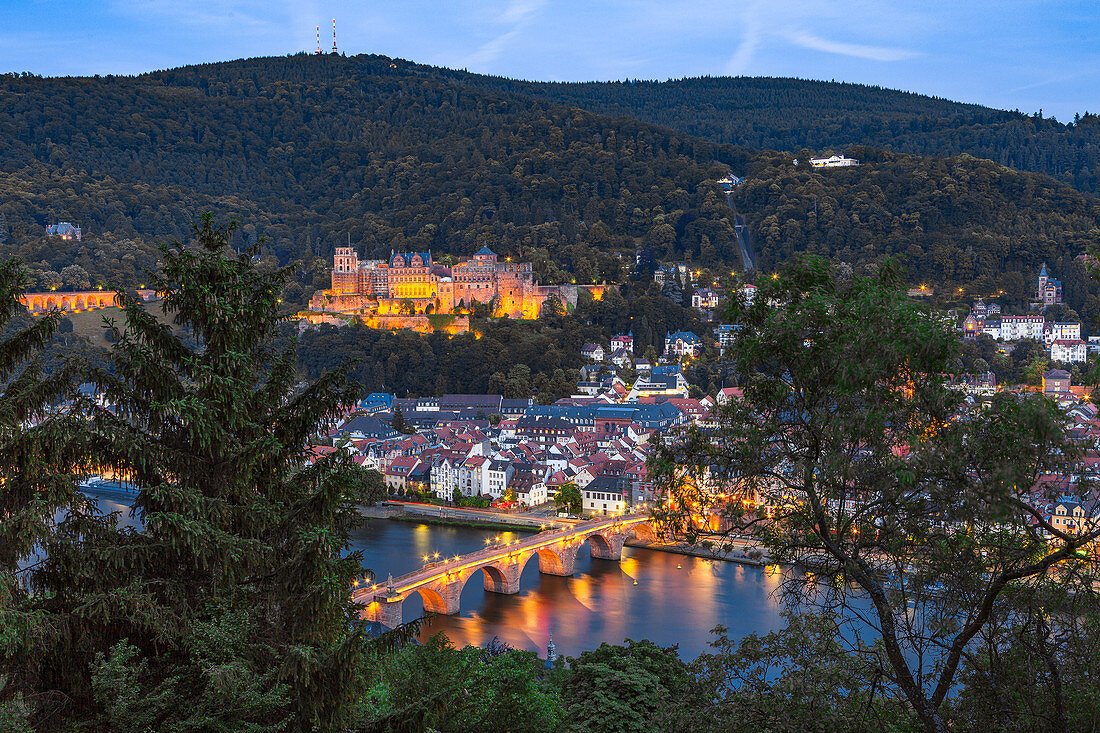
(551, 562)
(600, 546)
(643, 532)
(52, 302)
(496, 580)
(433, 600)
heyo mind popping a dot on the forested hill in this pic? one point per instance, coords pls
(792, 114)
(312, 151)
(960, 222)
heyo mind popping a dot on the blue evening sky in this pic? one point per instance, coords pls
(1026, 54)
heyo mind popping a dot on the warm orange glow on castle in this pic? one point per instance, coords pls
(411, 284)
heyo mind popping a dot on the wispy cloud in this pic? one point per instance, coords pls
(805, 39)
(516, 17)
(752, 33)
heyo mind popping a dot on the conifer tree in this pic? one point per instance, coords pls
(30, 492)
(398, 421)
(38, 454)
(230, 607)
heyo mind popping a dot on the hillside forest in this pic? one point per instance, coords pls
(312, 152)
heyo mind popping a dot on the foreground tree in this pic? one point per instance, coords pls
(33, 432)
(39, 454)
(435, 686)
(916, 511)
(229, 607)
(794, 680)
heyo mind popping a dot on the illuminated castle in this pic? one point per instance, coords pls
(413, 281)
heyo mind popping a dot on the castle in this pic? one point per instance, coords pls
(412, 283)
(1048, 290)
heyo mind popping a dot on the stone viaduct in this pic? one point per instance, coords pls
(440, 583)
(68, 301)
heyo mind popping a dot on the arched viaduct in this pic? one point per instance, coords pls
(68, 301)
(440, 584)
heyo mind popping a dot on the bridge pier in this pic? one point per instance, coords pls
(611, 548)
(561, 560)
(384, 611)
(502, 577)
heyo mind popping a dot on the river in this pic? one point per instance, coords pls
(677, 600)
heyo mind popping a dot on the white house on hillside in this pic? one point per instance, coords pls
(833, 161)
(1068, 351)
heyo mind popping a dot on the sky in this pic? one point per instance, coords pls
(1012, 54)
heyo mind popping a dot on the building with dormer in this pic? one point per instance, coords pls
(683, 343)
(623, 342)
(64, 229)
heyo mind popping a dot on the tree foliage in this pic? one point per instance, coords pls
(873, 473)
(568, 498)
(792, 114)
(230, 605)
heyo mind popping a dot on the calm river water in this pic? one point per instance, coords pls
(677, 600)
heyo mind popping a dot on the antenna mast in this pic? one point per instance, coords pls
(318, 51)
(334, 35)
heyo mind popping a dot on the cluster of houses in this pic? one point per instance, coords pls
(513, 452)
(1076, 503)
(601, 378)
(1063, 339)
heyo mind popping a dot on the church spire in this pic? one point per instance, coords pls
(551, 652)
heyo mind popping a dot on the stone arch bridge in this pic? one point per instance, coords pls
(67, 301)
(440, 584)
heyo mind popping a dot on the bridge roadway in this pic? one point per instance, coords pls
(440, 583)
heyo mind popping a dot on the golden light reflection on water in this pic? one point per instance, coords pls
(670, 604)
(599, 603)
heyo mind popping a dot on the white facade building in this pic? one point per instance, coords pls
(444, 479)
(1068, 351)
(603, 496)
(1014, 328)
(471, 475)
(623, 342)
(1059, 331)
(497, 474)
(833, 161)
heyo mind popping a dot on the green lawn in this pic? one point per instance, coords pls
(90, 323)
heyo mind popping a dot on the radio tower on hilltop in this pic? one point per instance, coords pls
(334, 36)
(318, 51)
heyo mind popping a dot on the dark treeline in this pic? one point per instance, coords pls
(314, 151)
(791, 114)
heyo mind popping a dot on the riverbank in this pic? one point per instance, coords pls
(457, 517)
(706, 553)
(472, 523)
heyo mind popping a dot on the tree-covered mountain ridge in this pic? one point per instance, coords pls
(790, 114)
(313, 151)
